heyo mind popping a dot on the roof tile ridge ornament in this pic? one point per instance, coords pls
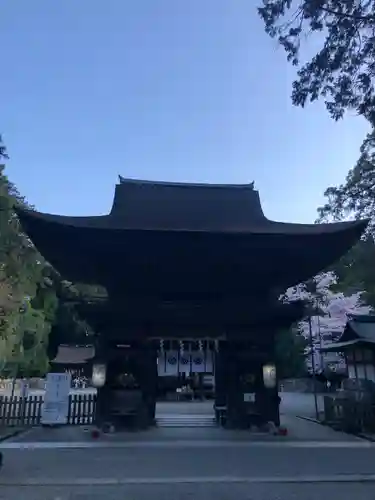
(127, 180)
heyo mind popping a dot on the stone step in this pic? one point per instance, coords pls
(186, 421)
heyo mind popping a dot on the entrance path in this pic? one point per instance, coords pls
(300, 404)
(292, 403)
(309, 463)
(185, 408)
(212, 469)
(299, 430)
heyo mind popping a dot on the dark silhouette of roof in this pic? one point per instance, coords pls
(154, 226)
(166, 206)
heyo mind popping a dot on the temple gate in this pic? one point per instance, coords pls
(187, 262)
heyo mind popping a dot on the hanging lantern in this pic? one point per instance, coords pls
(269, 376)
(161, 345)
(181, 347)
(200, 343)
(98, 377)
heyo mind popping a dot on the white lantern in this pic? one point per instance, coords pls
(98, 377)
(269, 376)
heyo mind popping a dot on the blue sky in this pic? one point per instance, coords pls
(159, 89)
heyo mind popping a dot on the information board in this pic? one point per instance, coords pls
(56, 400)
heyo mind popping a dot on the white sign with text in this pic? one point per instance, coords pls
(56, 400)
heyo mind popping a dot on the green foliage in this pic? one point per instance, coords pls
(289, 349)
(356, 196)
(356, 271)
(342, 71)
(33, 297)
(23, 325)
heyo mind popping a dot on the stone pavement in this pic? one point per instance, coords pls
(298, 430)
(300, 404)
(202, 491)
(181, 461)
(6, 432)
(210, 470)
(200, 463)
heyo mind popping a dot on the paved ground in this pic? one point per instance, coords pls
(298, 430)
(294, 403)
(210, 470)
(202, 491)
(210, 464)
(7, 432)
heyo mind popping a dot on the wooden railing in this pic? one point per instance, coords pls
(19, 411)
(349, 414)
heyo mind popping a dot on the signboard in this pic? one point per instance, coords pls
(56, 400)
(24, 389)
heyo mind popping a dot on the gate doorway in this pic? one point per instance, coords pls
(186, 384)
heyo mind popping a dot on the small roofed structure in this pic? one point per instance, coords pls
(357, 343)
(69, 356)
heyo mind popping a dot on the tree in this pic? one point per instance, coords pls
(355, 271)
(289, 351)
(356, 196)
(342, 71)
(20, 282)
(329, 311)
(36, 304)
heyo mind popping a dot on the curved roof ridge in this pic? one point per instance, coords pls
(126, 180)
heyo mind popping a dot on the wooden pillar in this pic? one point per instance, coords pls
(271, 408)
(128, 397)
(248, 401)
(103, 393)
(236, 406)
(220, 379)
(148, 377)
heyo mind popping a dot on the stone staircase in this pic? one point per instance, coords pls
(183, 421)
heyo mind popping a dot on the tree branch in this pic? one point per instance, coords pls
(349, 16)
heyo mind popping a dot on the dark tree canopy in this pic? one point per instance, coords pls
(36, 304)
(356, 196)
(342, 71)
(289, 352)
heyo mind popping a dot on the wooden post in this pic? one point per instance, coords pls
(313, 369)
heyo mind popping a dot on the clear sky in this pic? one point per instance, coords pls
(180, 90)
